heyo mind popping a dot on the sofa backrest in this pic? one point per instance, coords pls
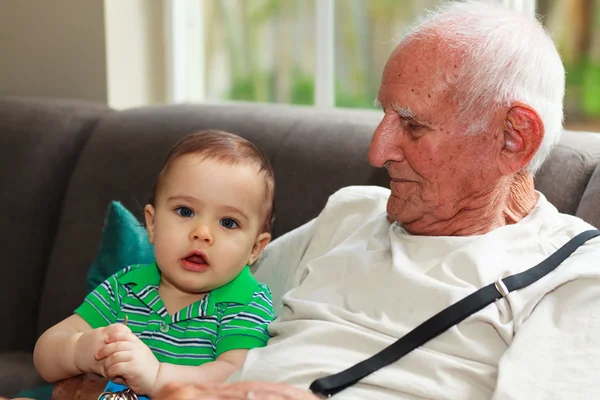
(41, 141)
(570, 178)
(314, 153)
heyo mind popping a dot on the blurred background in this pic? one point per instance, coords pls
(137, 52)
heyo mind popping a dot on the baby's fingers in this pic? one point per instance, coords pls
(121, 337)
(115, 372)
(117, 379)
(114, 328)
(112, 348)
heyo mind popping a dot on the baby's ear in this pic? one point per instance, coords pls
(149, 215)
(261, 242)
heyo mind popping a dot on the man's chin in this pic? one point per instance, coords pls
(411, 223)
(401, 220)
(400, 212)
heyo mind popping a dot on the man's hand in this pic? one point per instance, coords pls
(238, 390)
(127, 360)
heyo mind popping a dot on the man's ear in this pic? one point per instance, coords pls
(149, 215)
(523, 132)
(261, 242)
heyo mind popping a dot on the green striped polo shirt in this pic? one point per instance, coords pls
(234, 316)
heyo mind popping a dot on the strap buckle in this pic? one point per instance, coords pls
(501, 288)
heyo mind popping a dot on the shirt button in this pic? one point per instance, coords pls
(164, 328)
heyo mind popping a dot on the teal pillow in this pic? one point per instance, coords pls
(39, 393)
(124, 242)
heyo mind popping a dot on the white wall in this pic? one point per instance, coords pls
(111, 51)
(135, 52)
(53, 48)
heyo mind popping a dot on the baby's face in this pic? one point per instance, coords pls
(206, 223)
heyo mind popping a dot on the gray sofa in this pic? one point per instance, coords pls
(64, 161)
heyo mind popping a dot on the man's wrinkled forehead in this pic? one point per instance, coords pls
(427, 60)
(419, 80)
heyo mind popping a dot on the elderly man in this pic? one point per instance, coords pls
(473, 105)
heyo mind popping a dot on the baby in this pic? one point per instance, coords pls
(193, 314)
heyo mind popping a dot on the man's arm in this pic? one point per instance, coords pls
(239, 390)
(279, 263)
(347, 209)
(212, 372)
(556, 352)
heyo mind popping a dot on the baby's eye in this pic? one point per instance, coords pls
(229, 223)
(184, 212)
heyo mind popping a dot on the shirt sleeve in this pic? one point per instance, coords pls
(245, 327)
(280, 261)
(283, 261)
(100, 307)
(556, 352)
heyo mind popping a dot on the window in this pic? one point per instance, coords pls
(260, 50)
(332, 52)
(366, 32)
(575, 27)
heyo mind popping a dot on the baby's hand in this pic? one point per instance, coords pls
(86, 347)
(128, 361)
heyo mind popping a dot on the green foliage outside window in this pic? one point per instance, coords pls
(302, 92)
(269, 48)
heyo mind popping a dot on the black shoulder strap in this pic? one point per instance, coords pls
(330, 385)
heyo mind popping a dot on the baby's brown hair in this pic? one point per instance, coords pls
(230, 149)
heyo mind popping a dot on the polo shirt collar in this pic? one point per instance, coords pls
(141, 277)
(240, 290)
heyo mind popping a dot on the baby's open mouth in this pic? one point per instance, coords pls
(196, 259)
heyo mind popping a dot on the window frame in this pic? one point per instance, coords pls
(184, 31)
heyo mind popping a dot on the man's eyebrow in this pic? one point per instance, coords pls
(404, 112)
(407, 114)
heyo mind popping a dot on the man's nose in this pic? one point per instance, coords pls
(202, 232)
(385, 144)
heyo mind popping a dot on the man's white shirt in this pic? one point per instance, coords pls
(351, 284)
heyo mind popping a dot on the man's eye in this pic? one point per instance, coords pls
(413, 127)
(184, 212)
(229, 223)
(413, 130)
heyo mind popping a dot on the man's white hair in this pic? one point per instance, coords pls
(507, 57)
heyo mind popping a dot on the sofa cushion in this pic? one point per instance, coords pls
(43, 392)
(124, 242)
(314, 153)
(589, 207)
(40, 140)
(125, 152)
(321, 155)
(564, 176)
(17, 372)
